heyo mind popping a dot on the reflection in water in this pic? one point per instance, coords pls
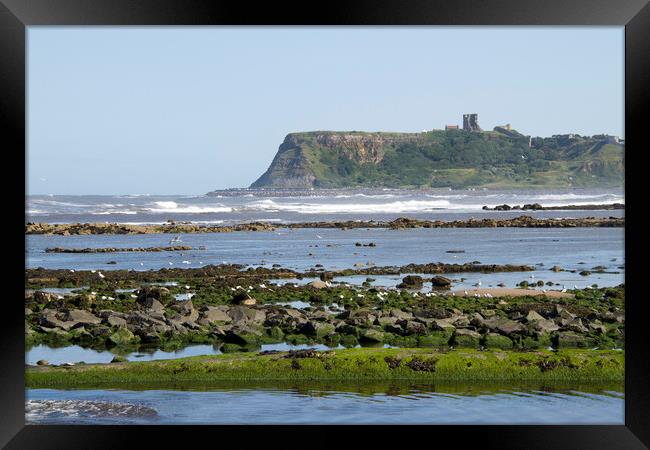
(333, 403)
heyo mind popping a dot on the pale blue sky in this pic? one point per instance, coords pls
(170, 110)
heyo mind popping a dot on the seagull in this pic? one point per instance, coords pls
(72, 270)
(170, 263)
(142, 264)
(319, 237)
(101, 275)
(465, 292)
(187, 286)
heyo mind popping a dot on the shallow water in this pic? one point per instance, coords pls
(301, 249)
(333, 404)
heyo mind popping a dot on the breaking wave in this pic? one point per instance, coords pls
(365, 208)
(173, 207)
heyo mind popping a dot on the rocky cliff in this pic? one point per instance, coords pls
(454, 158)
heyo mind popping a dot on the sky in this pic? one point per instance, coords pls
(169, 110)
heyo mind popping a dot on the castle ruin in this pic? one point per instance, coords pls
(470, 123)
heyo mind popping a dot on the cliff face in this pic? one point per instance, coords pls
(293, 165)
(290, 168)
(327, 159)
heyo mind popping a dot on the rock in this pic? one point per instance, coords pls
(371, 335)
(243, 314)
(83, 317)
(148, 294)
(213, 314)
(42, 362)
(442, 325)
(533, 316)
(118, 359)
(244, 335)
(576, 325)
(504, 326)
(487, 313)
(49, 318)
(401, 315)
(569, 339)
(598, 328)
(440, 281)
(121, 337)
(347, 329)
(116, 321)
(545, 326)
(149, 337)
(556, 269)
(41, 297)
(100, 332)
(386, 320)
(411, 282)
(494, 340)
(318, 329)
(466, 338)
(564, 314)
(318, 284)
(153, 305)
(413, 327)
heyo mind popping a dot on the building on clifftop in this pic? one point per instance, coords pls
(470, 123)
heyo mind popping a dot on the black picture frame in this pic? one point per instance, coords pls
(634, 15)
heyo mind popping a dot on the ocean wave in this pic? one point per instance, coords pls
(366, 208)
(114, 211)
(173, 207)
(572, 196)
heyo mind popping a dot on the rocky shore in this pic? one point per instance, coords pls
(175, 248)
(538, 207)
(397, 224)
(210, 273)
(68, 229)
(240, 317)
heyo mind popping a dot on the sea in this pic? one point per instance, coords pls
(573, 249)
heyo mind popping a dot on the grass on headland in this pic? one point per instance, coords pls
(359, 364)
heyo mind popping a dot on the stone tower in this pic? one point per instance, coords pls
(470, 122)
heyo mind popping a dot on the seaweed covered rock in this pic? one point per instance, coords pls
(440, 282)
(153, 297)
(411, 282)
